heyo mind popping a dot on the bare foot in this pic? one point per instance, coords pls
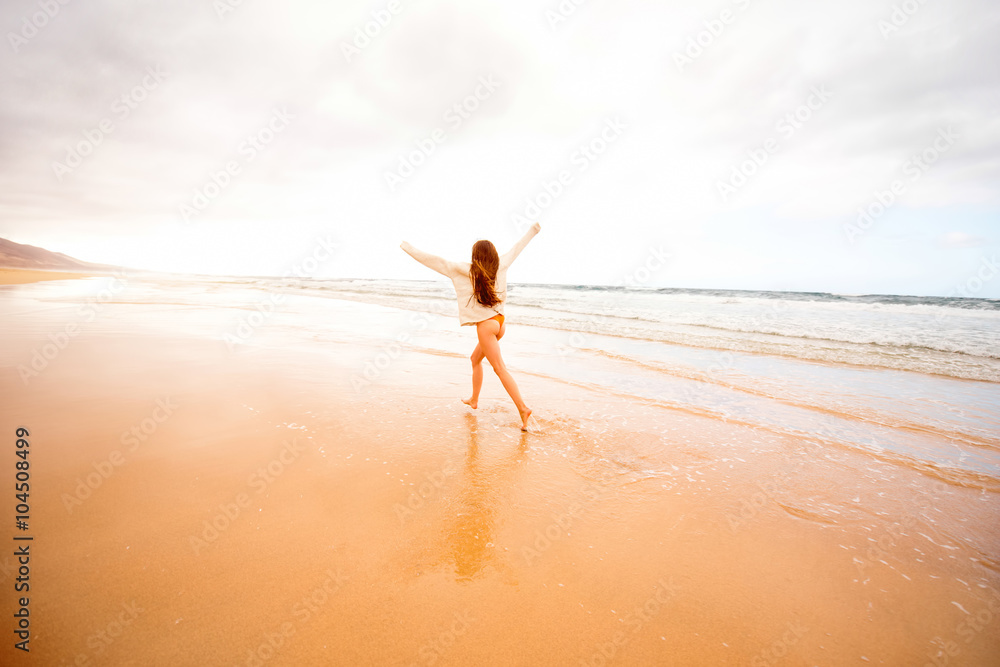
(471, 403)
(524, 418)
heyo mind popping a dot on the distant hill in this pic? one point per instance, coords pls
(21, 256)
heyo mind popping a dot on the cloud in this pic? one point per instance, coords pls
(688, 130)
(962, 240)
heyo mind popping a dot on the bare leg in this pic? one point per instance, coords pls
(489, 333)
(477, 377)
(477, 371)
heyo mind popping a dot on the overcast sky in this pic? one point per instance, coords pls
(741, 137)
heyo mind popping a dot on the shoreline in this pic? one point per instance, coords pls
(17, 276)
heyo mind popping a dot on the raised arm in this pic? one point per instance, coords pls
(439, 264)
(511, 255)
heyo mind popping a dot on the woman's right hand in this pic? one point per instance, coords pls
(536, 227)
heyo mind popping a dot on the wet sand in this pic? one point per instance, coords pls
(22, 276)
(194, 504)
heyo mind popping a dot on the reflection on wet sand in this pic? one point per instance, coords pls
(471, 520)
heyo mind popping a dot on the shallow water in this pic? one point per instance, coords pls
(915, 380)
(861, 384)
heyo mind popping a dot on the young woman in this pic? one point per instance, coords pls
(481, 287)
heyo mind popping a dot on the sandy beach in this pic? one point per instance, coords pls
(22, 276)
(287, 501)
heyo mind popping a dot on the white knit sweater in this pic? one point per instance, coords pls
(471, 311)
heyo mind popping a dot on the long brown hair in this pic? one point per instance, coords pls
(483, 273)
